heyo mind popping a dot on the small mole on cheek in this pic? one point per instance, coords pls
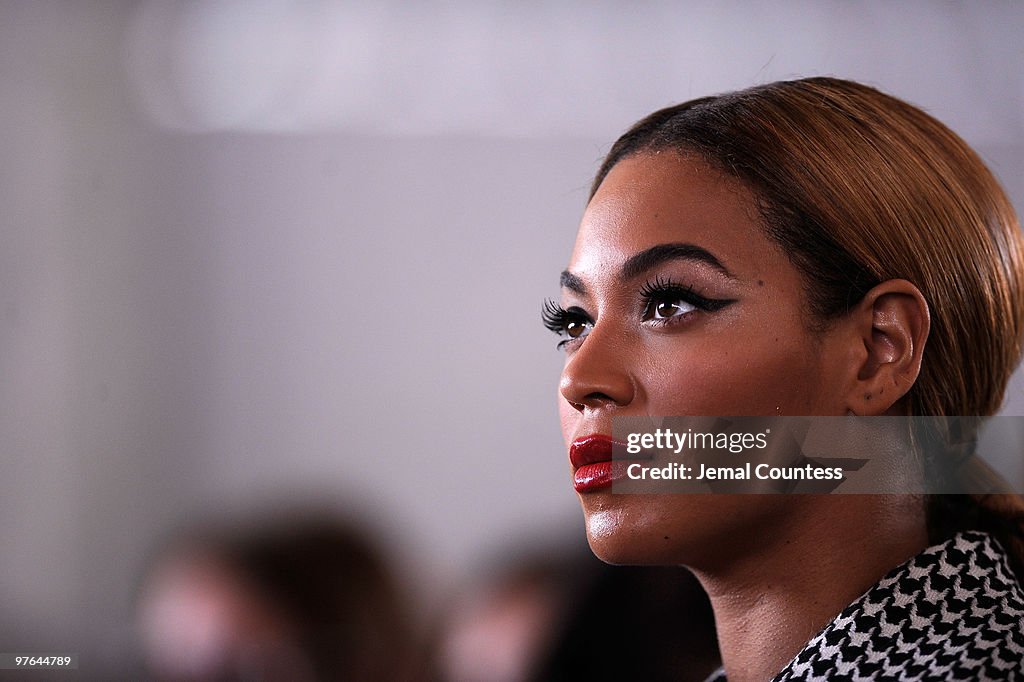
(666, 537)
(867, 396)
(760, 282)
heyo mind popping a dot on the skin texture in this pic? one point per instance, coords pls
(777, 568)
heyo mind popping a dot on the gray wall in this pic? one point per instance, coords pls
(256, 251)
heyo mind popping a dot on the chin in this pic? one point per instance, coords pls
(681, 530)
(626, 535)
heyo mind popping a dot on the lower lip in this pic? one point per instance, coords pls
(598, 476)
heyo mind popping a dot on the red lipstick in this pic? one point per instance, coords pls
(591, 456)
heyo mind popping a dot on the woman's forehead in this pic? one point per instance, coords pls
(651, 199)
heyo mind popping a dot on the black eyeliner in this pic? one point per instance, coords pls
(665, 290)
(556, 318)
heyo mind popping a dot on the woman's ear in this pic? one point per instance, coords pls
(892, 323)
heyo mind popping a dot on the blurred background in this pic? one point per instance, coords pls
(256, 253)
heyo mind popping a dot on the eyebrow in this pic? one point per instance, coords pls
(573, 283)
(656, 255)
(649, 258)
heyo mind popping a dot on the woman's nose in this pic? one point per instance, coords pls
(597, 374)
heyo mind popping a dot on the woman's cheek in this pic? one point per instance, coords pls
(721, 382)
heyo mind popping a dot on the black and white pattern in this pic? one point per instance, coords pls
(953, 612)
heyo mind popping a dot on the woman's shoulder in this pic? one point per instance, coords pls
(954, 611)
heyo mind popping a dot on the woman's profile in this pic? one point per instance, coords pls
(809, 247)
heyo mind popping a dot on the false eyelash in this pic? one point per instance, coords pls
(664, 289)
(556, 318)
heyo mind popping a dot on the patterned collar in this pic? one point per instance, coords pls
(953, 612)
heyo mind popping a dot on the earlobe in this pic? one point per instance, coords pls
(892, 323)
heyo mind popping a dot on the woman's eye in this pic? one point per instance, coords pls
(573, 324)
(665, 302)
(573, 329)
(576, 328)
(663, 310)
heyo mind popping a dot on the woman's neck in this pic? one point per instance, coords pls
(770, 602)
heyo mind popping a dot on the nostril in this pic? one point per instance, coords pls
(591, 400)
(598, 398)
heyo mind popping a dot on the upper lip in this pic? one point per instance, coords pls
(591, 449)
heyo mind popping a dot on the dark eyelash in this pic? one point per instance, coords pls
(556, 318)
(663, 289)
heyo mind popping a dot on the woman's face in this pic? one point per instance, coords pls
(675, 303)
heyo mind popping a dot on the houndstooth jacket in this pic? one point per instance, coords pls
(953, 612)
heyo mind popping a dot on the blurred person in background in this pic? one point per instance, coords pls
(564, 615)
(299, 598)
